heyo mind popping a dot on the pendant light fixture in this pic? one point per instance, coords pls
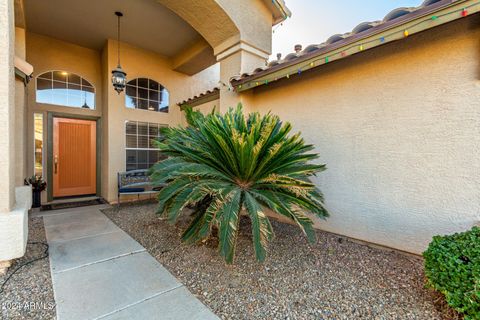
(119, 77)
(85, 105)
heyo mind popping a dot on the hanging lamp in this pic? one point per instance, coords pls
(119, 77)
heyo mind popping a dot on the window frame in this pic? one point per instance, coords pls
(148, 88)
(137, 148)
(66, 84)
(42, 153)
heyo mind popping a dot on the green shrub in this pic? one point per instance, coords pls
(226, 164)
(452, 267)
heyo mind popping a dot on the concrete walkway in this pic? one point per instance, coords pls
(100, 272)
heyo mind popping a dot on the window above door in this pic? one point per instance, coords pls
(146, 94)
(64, 88)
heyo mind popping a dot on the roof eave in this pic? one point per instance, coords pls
(351, 45)
(280, 11)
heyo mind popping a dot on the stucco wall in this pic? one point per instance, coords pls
(208, 107)
(7, 106)
(20, 114)
(237, 63)
(204, 108)
(141, 63)
(399, 129)
(13, 205)
(254, 21)
(46, 53)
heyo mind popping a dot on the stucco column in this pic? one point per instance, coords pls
(7, 103)
(236, 60)
(20, 114)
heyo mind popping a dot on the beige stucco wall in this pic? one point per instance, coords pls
(205, 108)
(234, 64)
(240, 33)
(20, 114)
(399, 130)
(7, 106)
(141, 63)
(254, 21)
(47, 54)
(224, 23)
(105, 142)
(14, 201)
(248, 42)
(20, 49)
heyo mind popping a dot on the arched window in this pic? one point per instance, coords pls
(146, 94)
(65, 89)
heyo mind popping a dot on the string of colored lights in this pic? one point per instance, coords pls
(360, 47)
(277, 26)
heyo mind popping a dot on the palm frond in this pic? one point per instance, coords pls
(224, 164)
(261, 228)
(228, 224)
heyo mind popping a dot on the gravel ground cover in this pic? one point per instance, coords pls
(335, 278)
(29, 294)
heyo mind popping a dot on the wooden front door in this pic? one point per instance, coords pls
(74, 157)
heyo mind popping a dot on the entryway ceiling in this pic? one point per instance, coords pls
(146, 23)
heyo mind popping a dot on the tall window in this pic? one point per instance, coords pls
(146, 94)
(65, 89)
(141, 153)
(38, 138)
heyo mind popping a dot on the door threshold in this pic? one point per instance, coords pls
(72, 203)
(73, 199)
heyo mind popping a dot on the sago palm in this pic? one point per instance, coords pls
(230, 164)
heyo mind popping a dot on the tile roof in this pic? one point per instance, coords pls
(201, 98)
(283, 11)
(393, 19)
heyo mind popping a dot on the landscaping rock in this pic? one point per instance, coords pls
(29, 294)
(334, 278)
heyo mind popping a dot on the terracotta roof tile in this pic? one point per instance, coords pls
(213, 94)
(393, 18)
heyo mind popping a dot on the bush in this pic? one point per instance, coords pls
(452, 267)
(224, 165)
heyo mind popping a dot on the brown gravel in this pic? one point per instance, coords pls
(29, 294)
(332, 279)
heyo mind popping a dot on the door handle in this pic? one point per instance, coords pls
(55, 164)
